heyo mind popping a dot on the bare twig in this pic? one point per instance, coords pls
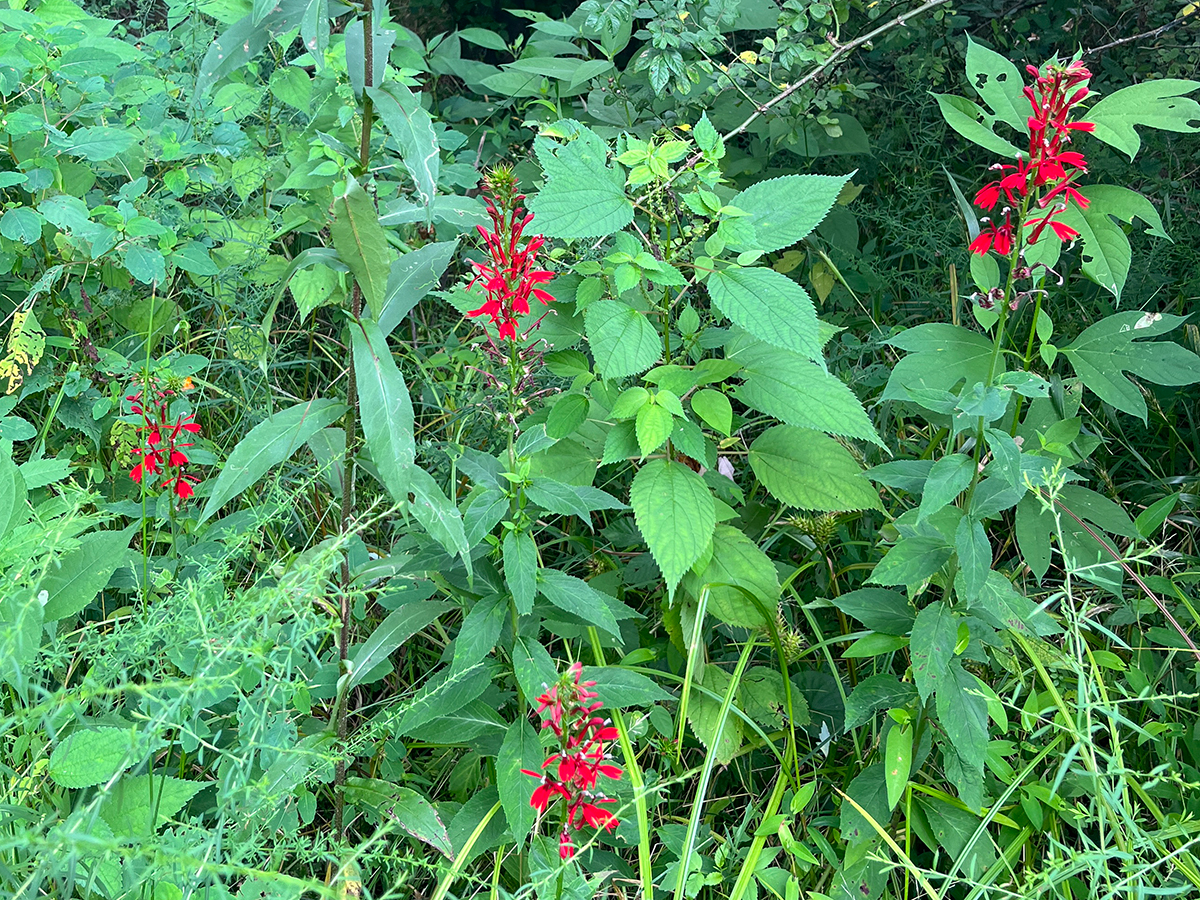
(1162, 29)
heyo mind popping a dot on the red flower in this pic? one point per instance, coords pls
(512, 275)
(569, 709)
(164, 451)
(998, 237)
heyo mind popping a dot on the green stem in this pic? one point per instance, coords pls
(1028, 360)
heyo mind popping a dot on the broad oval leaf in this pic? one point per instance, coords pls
(676, 514)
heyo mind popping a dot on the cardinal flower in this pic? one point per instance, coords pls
(569, 710)
(512, 274)
(165, 441)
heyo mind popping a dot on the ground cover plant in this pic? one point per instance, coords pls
(477, 466)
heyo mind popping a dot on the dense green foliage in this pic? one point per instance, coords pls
(880, 553)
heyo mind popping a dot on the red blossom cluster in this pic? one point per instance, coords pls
(163, 453)
(513, 274)
(569, 709)
(1051, 170)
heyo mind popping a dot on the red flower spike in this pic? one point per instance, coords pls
(164, 452)
(571, 773)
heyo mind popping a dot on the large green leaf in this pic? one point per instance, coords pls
(410, 278)
(520, 569)
(785, 210)
(934, 634)
(620, 688)
(1105, 351)
(386, 408)
(939, 357)
(911, 561)
(1106, 253)
(1158, 103)
(245, 39)
(438, 515)
(704, 715)
(737, 575)
(398, 627)
(411, 127)
(676, 514)
(769, 306)
(998, 84)
(444, 694)
(407, 808)
(74, 580)
(520, 750)
(968, 119)
(138, 804)
(962, 712)
(92, 756)
(974, 558)
(577, 597)
(622, 339)
(584, 197)
(882, 691)
(97, 143)
(806, 469)
(267, 444)
(878, 608)
(360, 242)
(798, 391)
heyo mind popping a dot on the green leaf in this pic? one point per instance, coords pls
(520, 569)
(770, 306)
(533, 666)
(974, 558)
(480, 631)
(962, 712)
(520, 750)
(583, 197)
(956, 829)
(386, 408)
(897, 762)
(653, 426)
(438, 516)
(676, 514)
(92, 756)
(623, 341)
(782, 211)
(360, 242)
(869, 790)
(22, 224)
(999, 85)
(737, 568)
(400, 625)
(407, 808)
(267, 444)
(96, 143)
(879, 609)
(620, 688)
(411, 127)
(193, 258)
(798, 392)
(1104, 351)
(1106, 253)
(14, 505)
(969, 120)
(410, 278)
(73, 581)
(704, 713)
(808, 470)
(566, 415)
(146, 264)
(939, 357)
(577, 597)
(1000, 604)
(911, 561)
(442, 696)
(138, 804)
(570, 499)
(714, 408)
(883, 691)
(948, 478)
(934, 634)
(1158, 103)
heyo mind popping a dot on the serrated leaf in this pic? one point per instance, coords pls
(770, 306)
(974, 558)
(72, 581)
(962, 712)
(520, 750)
(934, 635)
(443, 696)
(798, 392)
(138, 804)
(911, 561)
(480, 631)
(360, 242)
(782, 211)
(386, 408)
(92, 756)
(520, 569)
(948, 478)
(704, 716)
(566, 415)
(808, 470)
(584, 197)
(267, 444)
(622, 340)
(1158, 103)
(743, 585)
(879, 609)
(883, 691)
(653, 426)
(676, 514)
(939, 357)
(577, 597)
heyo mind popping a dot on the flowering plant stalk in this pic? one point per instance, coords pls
(570, 711)
(163, 451)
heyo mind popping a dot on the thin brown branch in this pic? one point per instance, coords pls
(1145, 35)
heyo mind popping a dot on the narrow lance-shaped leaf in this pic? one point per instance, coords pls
(360, 241)
(387, 413)
(412, 129)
